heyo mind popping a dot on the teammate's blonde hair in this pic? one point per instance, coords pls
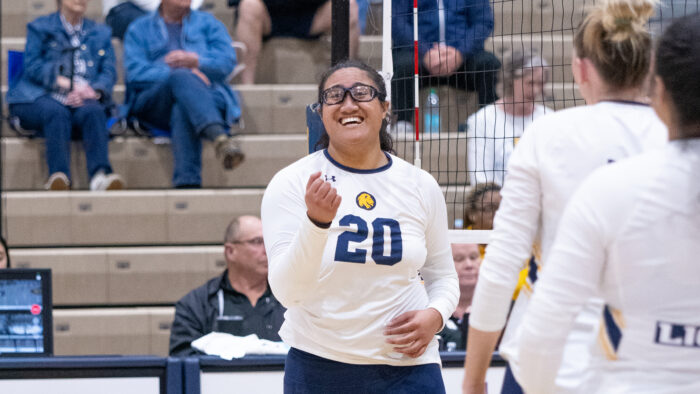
(615, 38)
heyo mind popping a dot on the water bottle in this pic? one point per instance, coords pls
(432, 113)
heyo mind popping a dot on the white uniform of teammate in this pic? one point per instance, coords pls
(344, 284)
(630, 234)
(552, 158)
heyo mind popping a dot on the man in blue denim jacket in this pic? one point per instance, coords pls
(64, 91)
(451, 35)
(177, 63)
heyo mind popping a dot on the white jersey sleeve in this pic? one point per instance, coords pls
(294, 244)
(515, 230)
(439, 274)
(568, 281)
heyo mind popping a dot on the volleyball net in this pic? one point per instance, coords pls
(450, 60)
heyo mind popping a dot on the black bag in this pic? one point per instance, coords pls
(120, 16)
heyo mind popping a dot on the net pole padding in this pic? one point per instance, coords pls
(469, 236)
(416, 97)
(340, 31)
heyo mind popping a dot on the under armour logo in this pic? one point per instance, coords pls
(610, 161)
(332, 178)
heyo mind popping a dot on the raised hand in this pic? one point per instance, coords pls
(412, 331)
(322, 199)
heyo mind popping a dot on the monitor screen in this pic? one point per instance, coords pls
(26, 325)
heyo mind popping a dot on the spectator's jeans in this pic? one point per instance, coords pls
(58, 123)
(479, 73)
(185, 105)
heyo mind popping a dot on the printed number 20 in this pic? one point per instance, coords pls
(342, 250)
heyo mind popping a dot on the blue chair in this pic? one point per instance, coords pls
(15, 65)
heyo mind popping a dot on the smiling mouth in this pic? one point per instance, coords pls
(351, 120)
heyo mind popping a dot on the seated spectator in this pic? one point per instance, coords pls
(239, 302)
(450, 51)
(260, 20)
(65, 90)
(467, 261)
(482, 203)
(4, 254)
(177, 63)
(120, 13)
(494, 130)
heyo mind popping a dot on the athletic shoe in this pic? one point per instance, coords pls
(100, 181)
(229, 151)
(57, 181)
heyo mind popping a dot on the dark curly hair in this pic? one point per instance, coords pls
(385, 141)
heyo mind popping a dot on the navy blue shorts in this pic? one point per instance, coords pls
(292, 18)
(305, 373)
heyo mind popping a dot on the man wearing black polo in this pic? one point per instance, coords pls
(238, 302)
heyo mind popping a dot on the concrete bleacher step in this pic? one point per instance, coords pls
(145, 165)
(112, 331)
(156, 217)
(124, 275)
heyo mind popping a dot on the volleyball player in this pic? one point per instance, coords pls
(631, 234)
(347, 230)
(612, 53)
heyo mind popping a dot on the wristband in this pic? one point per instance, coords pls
(319, 224)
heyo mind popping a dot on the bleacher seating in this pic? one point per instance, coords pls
(121, 259)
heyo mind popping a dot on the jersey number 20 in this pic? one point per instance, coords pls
(342, 249)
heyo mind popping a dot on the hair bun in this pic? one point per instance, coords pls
(624, 18)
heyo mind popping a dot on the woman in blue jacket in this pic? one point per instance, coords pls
(64, 90)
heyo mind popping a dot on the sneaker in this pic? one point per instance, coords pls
(57, 181)
(228, 149)
(100, 181)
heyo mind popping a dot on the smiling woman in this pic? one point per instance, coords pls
(347, 230)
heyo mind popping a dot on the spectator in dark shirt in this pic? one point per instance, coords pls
(467, 261)
(239, 302)
(450, 51)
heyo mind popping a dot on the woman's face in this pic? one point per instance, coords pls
(529, 88)
(467, 261)
(351, 124)
(74, 6)
(3, 257)
(485, 209)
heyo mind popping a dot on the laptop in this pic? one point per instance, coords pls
(26, 323)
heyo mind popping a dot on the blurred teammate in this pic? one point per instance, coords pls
(612, 53)
(608, 243)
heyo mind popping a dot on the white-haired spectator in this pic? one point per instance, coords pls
(493, 131)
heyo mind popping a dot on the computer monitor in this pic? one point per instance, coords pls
(26, 323)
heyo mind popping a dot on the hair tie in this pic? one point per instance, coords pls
(623, 22)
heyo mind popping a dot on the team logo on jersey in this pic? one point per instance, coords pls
(365, 201)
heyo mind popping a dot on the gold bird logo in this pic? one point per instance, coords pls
(365, 201)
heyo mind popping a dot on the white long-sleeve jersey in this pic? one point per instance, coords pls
(491, 137)
(631, 235)
(551, 159)
(342, 285)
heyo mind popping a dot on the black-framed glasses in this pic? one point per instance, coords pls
(257, 241)
(359, 92)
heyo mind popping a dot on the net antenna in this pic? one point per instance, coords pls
(388, 67)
